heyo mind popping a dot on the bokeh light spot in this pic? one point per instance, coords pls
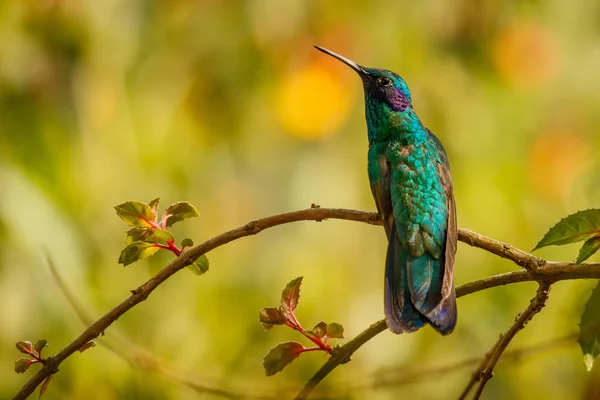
(557, 159)
(526, 55)
(312, 102)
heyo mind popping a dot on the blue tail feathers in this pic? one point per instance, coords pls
(413, 291)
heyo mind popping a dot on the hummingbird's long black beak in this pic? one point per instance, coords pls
(360, 70)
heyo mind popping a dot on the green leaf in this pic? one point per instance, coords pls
(335, 330)
(139, 235)
(136, 213)
(39, 345)
(291, 295)
(45, 385)
(200, 266)
(164, 235)
(203, 263)
(24, 347)
(180, 211)
(187, 242)
(22, 365)
(589, 329)
(320, 329)
(137, 251)
(588, 249)
(280, 356)
(577, 227)
(154, 205)
(271, 316)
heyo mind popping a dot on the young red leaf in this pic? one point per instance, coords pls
(280, 356)
(320, 329)
(291, 295)
(39, 345)
(136, 213)
(180, 211)
(163, 235)
(588, 249)
(137, 251)
(25, 347)
(22, 365)
(87, 346)
(154, 205)
(45, 385)
(577, 227)
(139, 235)
(200, 266)
(271, 316)
(335, 330)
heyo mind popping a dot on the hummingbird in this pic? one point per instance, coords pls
(409, 174)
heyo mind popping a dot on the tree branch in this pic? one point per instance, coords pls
(140, 294)
(523, 259)
(564, 271)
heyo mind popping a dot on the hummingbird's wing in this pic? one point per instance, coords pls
(380, 187)
(425, 222)
(401, 315)
(443, 315)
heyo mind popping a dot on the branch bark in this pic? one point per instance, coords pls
(561, 271)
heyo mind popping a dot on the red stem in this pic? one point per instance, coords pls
(36, 355)
(169, 246)
(174, 248)
(296, 326)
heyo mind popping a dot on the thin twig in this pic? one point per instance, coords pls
(536, 305)
(476, 376)
(409, 374)
(561, 271)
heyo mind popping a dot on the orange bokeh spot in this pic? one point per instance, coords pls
(526, 55)
(312, 102)
(557, 159)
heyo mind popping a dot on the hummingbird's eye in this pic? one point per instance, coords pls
(384, 81)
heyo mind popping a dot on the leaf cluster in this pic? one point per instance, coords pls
(284, 353)
(149, 232)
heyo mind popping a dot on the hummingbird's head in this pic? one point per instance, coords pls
(382, 87)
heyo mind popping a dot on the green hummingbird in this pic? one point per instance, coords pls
(410, 180)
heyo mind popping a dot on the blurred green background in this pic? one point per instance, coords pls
(226, 104)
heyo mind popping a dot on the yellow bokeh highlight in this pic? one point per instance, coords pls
(312, 102)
